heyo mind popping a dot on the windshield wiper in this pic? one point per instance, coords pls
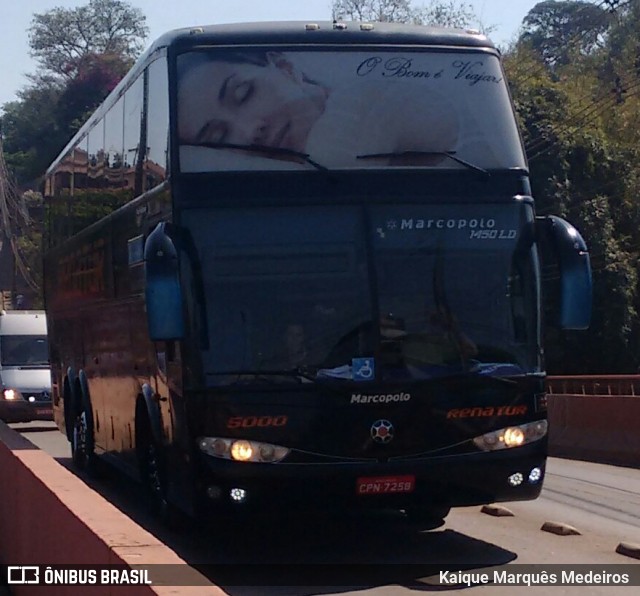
(473, 374)
(450, 154)
(297, 373)
(266, 151)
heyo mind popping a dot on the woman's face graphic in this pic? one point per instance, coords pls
(247, 104)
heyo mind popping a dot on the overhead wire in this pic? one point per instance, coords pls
(11, 211)
(581, 119)
(540, 140)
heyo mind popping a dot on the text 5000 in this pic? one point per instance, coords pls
(253, 421)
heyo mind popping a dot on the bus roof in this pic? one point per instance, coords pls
(23, 322)
(321, 32)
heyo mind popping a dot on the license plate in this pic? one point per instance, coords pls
(44, 411)
(384, 485)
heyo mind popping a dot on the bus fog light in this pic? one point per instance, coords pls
(515, 479)
(535, 475)
(214, 492)
(238, 495)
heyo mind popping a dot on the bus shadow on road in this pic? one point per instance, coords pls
(324, 553)
(33, 427)
(308, 552)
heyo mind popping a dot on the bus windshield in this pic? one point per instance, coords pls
(292, 288)
(22, 350)
(264, 110)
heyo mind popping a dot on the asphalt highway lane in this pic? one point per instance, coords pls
(382, 553)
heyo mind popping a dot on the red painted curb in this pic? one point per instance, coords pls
(48, 516)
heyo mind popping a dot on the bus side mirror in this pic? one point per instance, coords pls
(163, 292)
(572, 256)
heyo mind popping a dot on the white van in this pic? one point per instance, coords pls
(25, 374)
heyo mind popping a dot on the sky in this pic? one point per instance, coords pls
(164, 15)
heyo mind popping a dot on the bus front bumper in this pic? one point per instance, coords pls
(449, 481)
(24, 411)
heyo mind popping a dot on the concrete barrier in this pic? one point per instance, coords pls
(597, 428)
(48, 516)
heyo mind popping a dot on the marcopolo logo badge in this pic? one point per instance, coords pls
(382, 431)
(379, 398)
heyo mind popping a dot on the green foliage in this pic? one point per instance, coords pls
(96, 77)
(575, 79)
(445, 13)
(61, 38)
(562, 31)
(32, 132)
(450, 13)
(389, 11)
(67, 214)
(83, 53)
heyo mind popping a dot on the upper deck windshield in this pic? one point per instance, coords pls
(269, 110)
(423, 291)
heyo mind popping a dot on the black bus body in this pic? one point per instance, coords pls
(298, 264)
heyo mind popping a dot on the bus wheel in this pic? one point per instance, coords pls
(68, 411)
(427, 518)
(154, 479)
(82, 443)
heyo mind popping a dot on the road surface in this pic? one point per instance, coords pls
(381, 553)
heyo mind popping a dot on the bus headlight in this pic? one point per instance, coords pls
(242, 450)
(512, 436)
(11, 394)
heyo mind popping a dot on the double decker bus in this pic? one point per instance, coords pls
(299, 264)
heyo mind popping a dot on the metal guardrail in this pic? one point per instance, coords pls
(600, 385)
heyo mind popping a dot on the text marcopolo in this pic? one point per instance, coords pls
(441, 224)
(379, 398)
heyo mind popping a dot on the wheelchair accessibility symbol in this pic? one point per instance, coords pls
(363, 369)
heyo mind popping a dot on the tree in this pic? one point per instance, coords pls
(83, 53)
(445, 13)
(388, 11)
(47, 114)
(459, 15)
(580, 129)
(561, 31)
(96, 77)
(61, 39)
(31, 131)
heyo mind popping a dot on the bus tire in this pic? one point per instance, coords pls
(83, 441)
(67, 404)
(153, 473)
(427, 517)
